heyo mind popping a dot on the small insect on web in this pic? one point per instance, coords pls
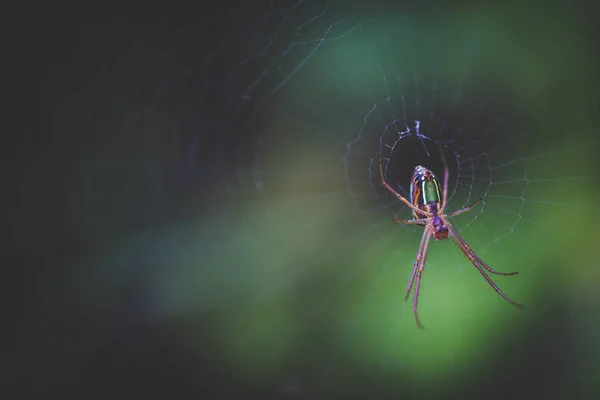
(428, 211)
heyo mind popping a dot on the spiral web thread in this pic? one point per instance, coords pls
(495, 152)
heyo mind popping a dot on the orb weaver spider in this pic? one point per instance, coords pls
(428, 211)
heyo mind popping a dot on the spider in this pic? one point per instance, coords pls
(428, 211)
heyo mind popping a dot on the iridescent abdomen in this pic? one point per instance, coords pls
(424, 191)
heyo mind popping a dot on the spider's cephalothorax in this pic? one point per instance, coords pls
(440, 229)
(428, 211)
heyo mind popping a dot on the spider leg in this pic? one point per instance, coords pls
(420, 222)
(399, 196)
(462, 245)
(416, 264)
(471, 254)
(419, 273)
(446, 176)
(462, 210)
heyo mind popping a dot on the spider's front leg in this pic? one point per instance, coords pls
(418, 271)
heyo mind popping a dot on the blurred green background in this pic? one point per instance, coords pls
(209, 232)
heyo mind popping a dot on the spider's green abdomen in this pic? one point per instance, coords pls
(424, 190)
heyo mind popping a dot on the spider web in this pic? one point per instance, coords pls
(259, 129)
(497, 150)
